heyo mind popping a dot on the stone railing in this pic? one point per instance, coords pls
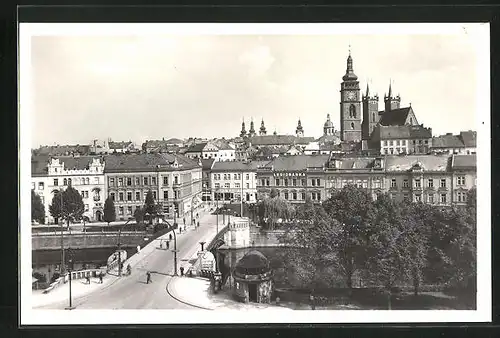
(89, 240)
(74, 275)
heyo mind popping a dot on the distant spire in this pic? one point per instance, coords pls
(390, 88)
(367, 90)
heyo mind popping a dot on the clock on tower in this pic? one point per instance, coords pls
(351, 96)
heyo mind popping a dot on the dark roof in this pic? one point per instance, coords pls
(63, 150)
(468, 138)
(447, 141)
(395, 117)
(253, 260)
(174, 141)
(196, 148)
(464, 162)
(223, 145)
(207, 163)
(119, 145)
(404, 132)
(236, 165)
(297, 162)
(427, 162)
(39, 163)
(147, 162)
(272, 140)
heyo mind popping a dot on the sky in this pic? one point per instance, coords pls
(161, 86)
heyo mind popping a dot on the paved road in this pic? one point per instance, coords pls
(132, 292)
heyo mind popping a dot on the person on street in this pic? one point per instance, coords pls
(100, 277)
(198, 224)
(87, 279)
(129, 269)
(168, 244)
(148, 277)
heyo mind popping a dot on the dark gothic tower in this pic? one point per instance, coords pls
(251, 132)
(370, 113)
(391, 102)
(299, 131)
(350, 105)
(243, 132)
(262, 130)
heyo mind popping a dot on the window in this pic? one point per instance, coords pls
(352, 111)
(313, 182)
(318, 182)
(263, 182)
(227, 185)
(304, 182)
(286, 195)
(247, 176)
(443, 183)
(82, 193)
(461, 180)
(405, 197)
(430, 198)
(120, 196)
(248, 185)
(418, 198)
(277, 182)
(268, 181)
(431, 183)
(294, 196)
(137, 195)
(129, 196)
(40, 186)
(286, 182)
(129, 181)
(42, 199)
(153, 180)
(111, 181)
(86, 207)
(176, 179)
(443, 198)
(393, 183)
(294, 182)
(217, 185)
(129, 210)
(96, 180)
(86, 194)
(112, 195)
(137, 181)
(376, 183)
(165, 180)
(373, 117)
(120, 181)
(417, 183)
(120, 211)
(405, 183)
(65, 181)
(154, 195)
(352, 125)
(237, 185)
(461, 196)
(145, 181)
(235, 176)
(165, 194)
(69, 181)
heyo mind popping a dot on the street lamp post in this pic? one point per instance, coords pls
(120, 246)
(175, 235)
(70, 269)
(62, 270)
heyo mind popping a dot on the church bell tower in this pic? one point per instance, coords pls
(350, 105)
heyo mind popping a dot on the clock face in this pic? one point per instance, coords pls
(351, 95)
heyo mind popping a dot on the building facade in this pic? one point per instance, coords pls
(84, 173)
(435, 179)
(174, 180)
(234, 181)
(464, 143)
(406, 139)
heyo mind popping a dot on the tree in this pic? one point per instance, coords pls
(139, 215)
(37, 208)
(274, 208)
(109, 211)
(350, 206)
(72, 205)
(150, 206)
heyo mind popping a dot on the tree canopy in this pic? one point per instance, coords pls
(109, 211)
(37, 208)
(72, 205)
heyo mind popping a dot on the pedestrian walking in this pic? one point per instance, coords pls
(87, 279)
(148, 277)
(198, 224)
(184, 219)
(168, 244)
(170, 236)
(161, 244)
(100, 277)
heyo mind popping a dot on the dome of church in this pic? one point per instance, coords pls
(253, 263)
(328, 123)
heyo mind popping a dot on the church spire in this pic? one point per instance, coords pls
(251, 131)
(367, 90)
(349, 73)
(243, 132)
(299, 131)
(263, 130)
(390, 89)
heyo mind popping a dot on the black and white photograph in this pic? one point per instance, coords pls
(254, 173)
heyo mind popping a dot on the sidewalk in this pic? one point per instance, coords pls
(78, 289)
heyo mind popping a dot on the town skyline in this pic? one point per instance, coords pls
(277, 78)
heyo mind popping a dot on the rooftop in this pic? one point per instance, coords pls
(427, 162)
(147, 162)
(297, 162)
(395, 117)
(237, 165)
(464, 162)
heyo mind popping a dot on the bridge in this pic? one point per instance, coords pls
(51, 241)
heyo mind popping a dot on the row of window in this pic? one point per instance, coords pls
(228, 176)
(360, 183)
(128, 196)
(315, 196)
(228, 185)
(68, 181)
(403, 142)
(430, 182)
(127, 181)
(286, 182)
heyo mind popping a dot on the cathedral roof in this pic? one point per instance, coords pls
(395, 117)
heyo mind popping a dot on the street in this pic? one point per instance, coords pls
(132, 292)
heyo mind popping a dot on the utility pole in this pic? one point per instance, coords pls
(62, 270)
